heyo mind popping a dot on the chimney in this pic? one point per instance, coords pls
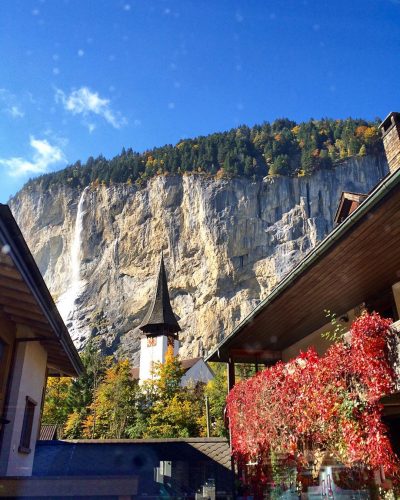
(390, 130)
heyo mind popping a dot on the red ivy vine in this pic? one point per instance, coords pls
(327, 404)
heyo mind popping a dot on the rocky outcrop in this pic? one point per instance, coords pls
(226, 244)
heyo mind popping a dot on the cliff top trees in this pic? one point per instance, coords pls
(283, 148)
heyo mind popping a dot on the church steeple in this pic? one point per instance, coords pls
(160, 319)
(160, 328)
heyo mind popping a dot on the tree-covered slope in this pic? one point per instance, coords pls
(283, 147)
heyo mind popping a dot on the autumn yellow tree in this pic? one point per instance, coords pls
(216, 390)
(114, 406)
(176, 410)
(56, 407)
(83, 389)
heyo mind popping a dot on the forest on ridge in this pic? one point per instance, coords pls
(283, 147)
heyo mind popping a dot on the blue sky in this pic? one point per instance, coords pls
(87, 77)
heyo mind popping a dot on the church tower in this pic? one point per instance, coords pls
(160, 328)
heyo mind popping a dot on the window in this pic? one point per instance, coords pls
(151, 341)
(24, 446)
(5, 352)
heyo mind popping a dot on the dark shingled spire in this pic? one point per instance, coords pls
(160, 319)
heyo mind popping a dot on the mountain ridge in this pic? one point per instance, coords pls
(283, 147)
(226, 243)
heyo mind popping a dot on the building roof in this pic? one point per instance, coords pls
(390, 121)
(338, 274)
(186, 365)
(91, 456)
(347, 204)
(25, 298)
(160, 318)
(48, 432)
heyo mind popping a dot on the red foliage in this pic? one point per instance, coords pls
(330, 402)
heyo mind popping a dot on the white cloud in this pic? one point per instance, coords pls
(87, 103)
(9, 104)
(44, 156)
(15, 112)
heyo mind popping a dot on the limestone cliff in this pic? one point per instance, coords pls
(226, 243)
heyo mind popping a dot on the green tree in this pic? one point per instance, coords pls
(176, 411)
(114, 406)
(167, 376)
(280, 166)
(240, 151)
(178, 416)
(216, 390)
(307, 162)
(56, 408)
(83, 389)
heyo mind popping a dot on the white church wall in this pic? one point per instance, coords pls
(153, 350)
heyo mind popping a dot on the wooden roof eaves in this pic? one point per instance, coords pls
(26, 265)
(381, 190)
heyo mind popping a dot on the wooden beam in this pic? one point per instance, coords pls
(19, 296)
(36, 316)
(34, 339)
(13, 284)
(32, 323)
(256, 355)
(6, 300)
(10, 272)
(39, 330)
(231, 374)
(6, 260)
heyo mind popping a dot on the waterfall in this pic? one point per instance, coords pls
(66, 301)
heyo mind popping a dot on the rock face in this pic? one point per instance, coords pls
(226, 244)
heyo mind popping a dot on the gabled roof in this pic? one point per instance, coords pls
(188, 363)
(160, 317)
(347, 204)
(25, 298)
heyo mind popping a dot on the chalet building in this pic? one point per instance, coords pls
(355, 268)
(34, 345)
(160, 328)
